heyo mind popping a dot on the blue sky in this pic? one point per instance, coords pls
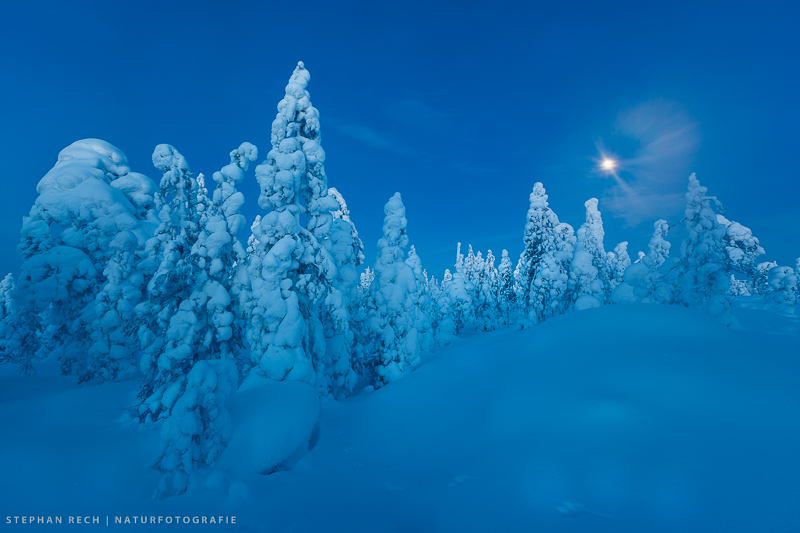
(460, 107)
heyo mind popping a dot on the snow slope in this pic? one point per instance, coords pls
(654, 418)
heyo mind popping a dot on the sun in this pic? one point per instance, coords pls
(608, 164)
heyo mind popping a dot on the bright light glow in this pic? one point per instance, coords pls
(608, 164)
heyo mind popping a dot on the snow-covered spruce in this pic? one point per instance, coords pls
(618, 262)
(783, 286)
(6, 316)
(165, 329)
(341, 319)
(761, 277)
(390, 299)
(590, 276)
(85, 201)
(198, 427)
(459, 293)
(444, 326)
(507, 295)
(423, 305)
(543, 270)
(487, 292)
(291, 272)
(741, 248)
(703, 280)
(647, 281)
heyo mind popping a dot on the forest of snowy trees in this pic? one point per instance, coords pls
(125, 279)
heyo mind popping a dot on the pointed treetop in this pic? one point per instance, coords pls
(538, 197)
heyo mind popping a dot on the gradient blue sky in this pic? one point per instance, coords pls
(460, 107)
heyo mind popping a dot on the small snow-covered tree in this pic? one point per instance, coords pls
(6, 312)
(590, 276)
(390, 301)
(703, 279)
(650, 283)
(199, 427)
(423, 306)
(487, 307)
(507, 295)
(761, 277)
(445, 326)
(459, 293)
(783, 286)
(618, 262)
(741, 248)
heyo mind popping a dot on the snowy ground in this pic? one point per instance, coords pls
(657, 419)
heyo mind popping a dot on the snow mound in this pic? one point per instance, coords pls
(272, 423)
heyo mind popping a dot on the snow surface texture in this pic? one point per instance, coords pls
(670, 422)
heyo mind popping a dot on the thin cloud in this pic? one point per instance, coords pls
(370, 137)
(651, 183)
(412, 111)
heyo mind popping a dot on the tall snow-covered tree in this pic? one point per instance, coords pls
(543, 271)
(390, 305)
(342, 320)
(172, 274)
(590, 276)
(291, 272)
(703, 279)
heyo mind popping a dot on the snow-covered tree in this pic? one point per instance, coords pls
(113, 349)
(618, 262)
(444, 324)
(291, 272)
(165, 354)
(703, 279)
(390, 303)
(543, 270)
(342, 320)
(507, 296)
(487, 308)
(6, 312)
(423, 307)
(590, 276)
(741, 248)
(459, 293)
(761, 277)
(85, 200)
(649, 283)
(739, 287)
(199, 427)
(783, 286)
